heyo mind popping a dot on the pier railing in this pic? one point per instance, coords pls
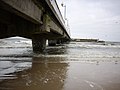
(59, 15)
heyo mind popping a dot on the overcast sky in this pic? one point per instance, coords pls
(93, 18)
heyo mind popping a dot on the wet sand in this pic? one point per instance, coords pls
(74, 66)
(65, 76)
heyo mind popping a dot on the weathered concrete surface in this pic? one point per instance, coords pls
(24, 8)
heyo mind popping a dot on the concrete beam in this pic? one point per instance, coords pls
(24, 8)
(55, 28)
(49, 25)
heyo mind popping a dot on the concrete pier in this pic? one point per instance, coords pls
(34, 19)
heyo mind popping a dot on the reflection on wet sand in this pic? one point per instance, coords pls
(90, 76)
(41, 76)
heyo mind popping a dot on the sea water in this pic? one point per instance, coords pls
(72, 66)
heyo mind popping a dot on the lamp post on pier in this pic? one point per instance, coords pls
(64, 10)
(65, 18)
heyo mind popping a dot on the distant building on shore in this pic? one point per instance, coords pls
(85, 40)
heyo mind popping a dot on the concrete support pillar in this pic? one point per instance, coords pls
(58, 41)
(38, 44)
(65, 41)
(62, 41)
(52, 42)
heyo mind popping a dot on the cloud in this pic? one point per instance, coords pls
(94, 18)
